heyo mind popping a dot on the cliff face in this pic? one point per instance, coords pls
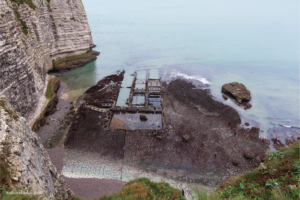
(31, 35)
(29, 166)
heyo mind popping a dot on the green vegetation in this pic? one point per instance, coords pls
(277, 178)
(48, 1)
(75, 20)
(28, 2)
(51, 87)
(23, 23)
(2, 15)
(51, 96)
(144, 189)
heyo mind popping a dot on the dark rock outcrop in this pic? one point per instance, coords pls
(238, 90)
(143, 117)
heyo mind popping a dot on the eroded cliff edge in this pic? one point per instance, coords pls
(24, 157)
(31, 36)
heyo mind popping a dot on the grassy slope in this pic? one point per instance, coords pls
(277, 178)
(144, 189)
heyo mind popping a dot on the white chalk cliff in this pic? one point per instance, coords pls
(55, 29)
(29, 166)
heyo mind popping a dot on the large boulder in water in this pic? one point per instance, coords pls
(238, 90)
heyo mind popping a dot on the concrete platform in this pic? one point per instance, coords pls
(158, 110)
(131, 109)
(116, 109)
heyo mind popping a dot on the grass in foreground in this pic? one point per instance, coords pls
(277, 178)
(144, 189)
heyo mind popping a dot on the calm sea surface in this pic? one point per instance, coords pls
(252, 41)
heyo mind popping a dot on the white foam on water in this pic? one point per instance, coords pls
(179, 74)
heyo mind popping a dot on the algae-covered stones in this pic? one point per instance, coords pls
(224, 97)
(143, 117)
(185, 138)
(249, 155)
(238, 90)
(235, 162)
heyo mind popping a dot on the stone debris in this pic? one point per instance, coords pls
(235, 162)
(249, 155)
(185, 138)
(158, 137)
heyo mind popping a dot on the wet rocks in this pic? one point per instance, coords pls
(249, 155)
(238, 90)
(224, 97)
(247, 124)
(235, 162)
(185, 138)
(248, 106)
(143, 117)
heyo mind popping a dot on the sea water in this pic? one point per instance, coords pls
(252, 41)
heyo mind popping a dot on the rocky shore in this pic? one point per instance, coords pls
(215, 149)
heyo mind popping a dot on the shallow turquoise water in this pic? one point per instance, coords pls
(254, 42)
